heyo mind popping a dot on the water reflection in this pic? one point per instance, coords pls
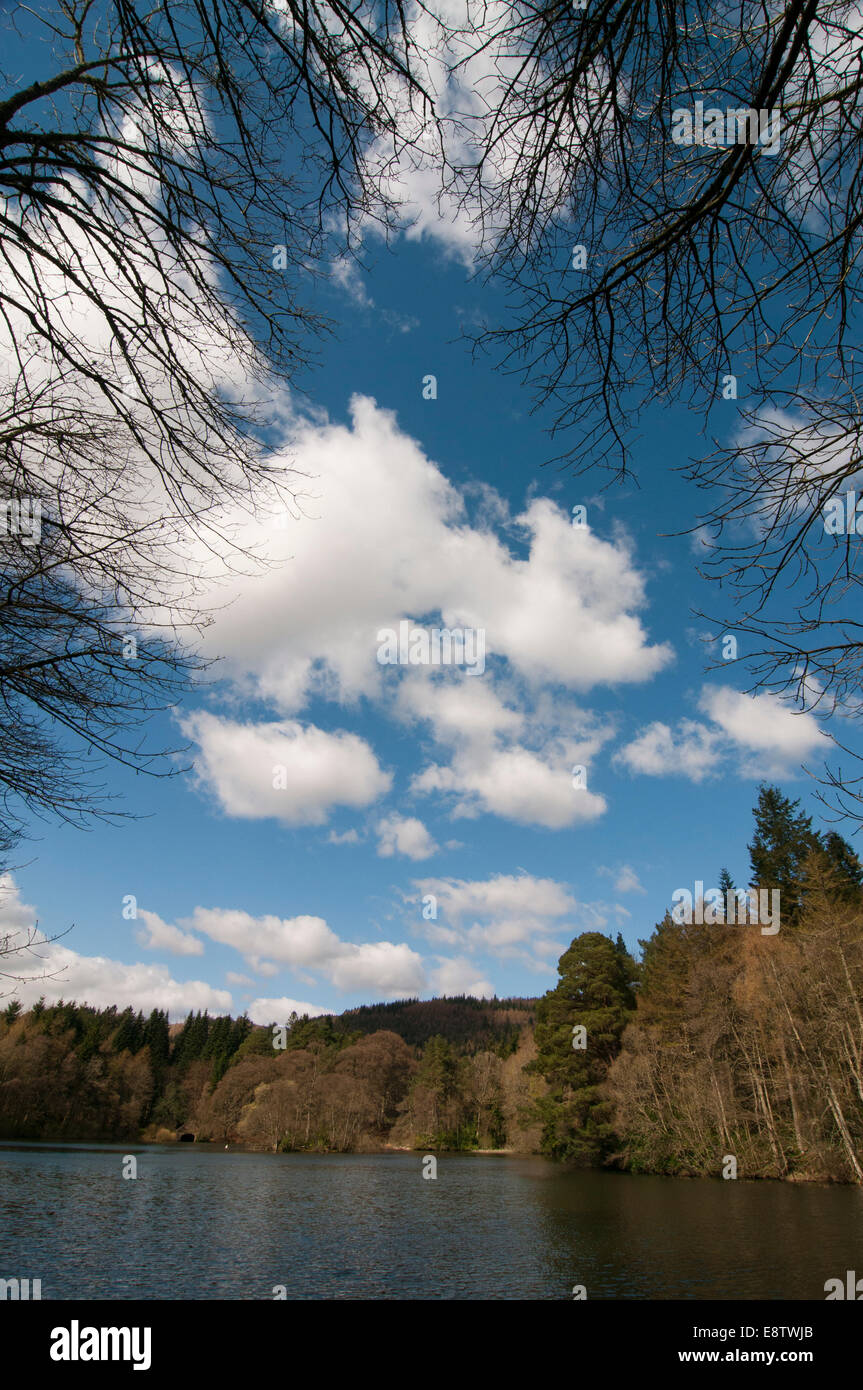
(200, 1223)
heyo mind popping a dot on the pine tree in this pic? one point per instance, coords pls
(157, 1038)
(778, 851)
(843, 860)
(594, 994)
(630, 964)
(726, 883)
(128, 1037)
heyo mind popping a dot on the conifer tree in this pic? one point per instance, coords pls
(594, 994)
(128, 1037)
(156, 1037)
(778, 851)
(844, 861)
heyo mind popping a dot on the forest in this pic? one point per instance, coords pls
(715, 1042)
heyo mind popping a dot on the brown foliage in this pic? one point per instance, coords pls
(762, 1057)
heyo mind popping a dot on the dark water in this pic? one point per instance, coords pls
(200, 1223)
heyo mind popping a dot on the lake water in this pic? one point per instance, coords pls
(200, 1223)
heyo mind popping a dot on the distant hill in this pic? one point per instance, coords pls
(468, 1023)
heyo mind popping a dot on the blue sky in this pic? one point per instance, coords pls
(260, 890)
(405, 784)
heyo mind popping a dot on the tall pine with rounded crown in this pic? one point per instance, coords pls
(595, 992)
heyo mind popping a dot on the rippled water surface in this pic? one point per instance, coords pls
(201, 1223)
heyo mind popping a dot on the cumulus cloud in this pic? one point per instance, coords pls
(507, 915)
(386, 969)
(349, 837)
(531, 788)
(559, 607)
(279, 1010)
(627, 881)
(287, 941)
(467, 57)
(53, 970)
(565, 611)
(459, 976)
(625, 878)
(100, 981)
(508, 754)
(765, 736)
(17, 918)
(404, 835)
(162, 936)
(283, 770)
(693, 752)
(763, 724)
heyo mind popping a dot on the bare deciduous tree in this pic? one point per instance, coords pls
(649, 265)
(146, 179)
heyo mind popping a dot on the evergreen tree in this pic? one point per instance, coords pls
(129, 1036)
(157, 1038)
(437, 1079)
(778, 851)
(437, 1069)
(594, 994)
(192, 1039)
(631, 965)
(92, 1036)
(842, 859)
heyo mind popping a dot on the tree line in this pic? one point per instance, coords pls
(720, 1042)
(714, 1042)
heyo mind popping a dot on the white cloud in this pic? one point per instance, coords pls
(517, 784)
(764, 725)
(507, 915)
(466, 711)
(657, 752)
(95, 980)
(459, 976)
(386, 969)
(468, 55)
(286, 941)
(487, 725)
(279, 1010)
(404, 835)
(762, 733)
(162, 936)
(348, 275)
(533, 898)
(564, 612)
(350, 837)
(16, 917)
(99, 981)
(558, 605)
(626, 880)
(313, 770)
